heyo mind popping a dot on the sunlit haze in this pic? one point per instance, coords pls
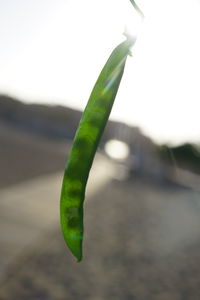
(117, 149)
(53, 50)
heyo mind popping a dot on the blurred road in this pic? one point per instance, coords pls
(29, 209)
(142, 241)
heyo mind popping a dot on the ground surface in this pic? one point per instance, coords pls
(142, 240)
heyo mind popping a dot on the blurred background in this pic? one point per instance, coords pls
(142, 207)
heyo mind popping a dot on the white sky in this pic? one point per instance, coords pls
(53, 50)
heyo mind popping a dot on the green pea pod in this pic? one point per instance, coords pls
(85, 144)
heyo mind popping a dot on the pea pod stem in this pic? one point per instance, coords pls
(137, 9)
(87, 137)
